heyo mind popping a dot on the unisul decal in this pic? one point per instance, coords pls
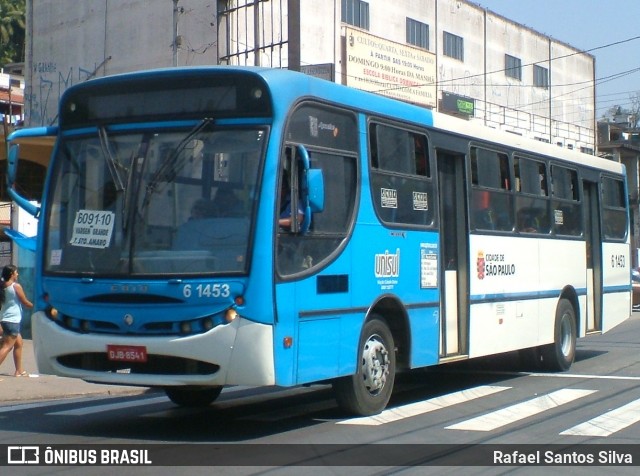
(387, 267)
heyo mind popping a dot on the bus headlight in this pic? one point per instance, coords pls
(231, 315)
(51, 312)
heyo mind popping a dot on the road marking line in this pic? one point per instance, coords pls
(413, 409)
(609, 422)
(109, 407)
(596, 377)
(520, 411)
(542, 374)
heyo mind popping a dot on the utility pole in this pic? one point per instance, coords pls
(176, 12)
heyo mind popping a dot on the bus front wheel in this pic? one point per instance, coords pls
(193, 396)
(369, 390)
(559, 355)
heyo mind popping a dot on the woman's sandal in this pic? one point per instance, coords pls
(22, 374)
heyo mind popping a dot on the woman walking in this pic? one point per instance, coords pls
(12, 298)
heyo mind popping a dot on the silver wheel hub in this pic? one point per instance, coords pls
(565, 336)
(375, 365)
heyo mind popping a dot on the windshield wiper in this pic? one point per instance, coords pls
(112, 164)
(163, 171)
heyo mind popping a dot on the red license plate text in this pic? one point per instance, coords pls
(127, 353)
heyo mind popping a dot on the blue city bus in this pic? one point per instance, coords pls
(213, 226)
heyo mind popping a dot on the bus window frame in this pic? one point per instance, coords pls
(579, 202)
(287, 142)
(429, 178)
(604, 208)
(507, 191)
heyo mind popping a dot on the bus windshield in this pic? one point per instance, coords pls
(138, 202)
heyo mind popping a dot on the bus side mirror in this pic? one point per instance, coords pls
(12, 174)
(31, 136)
(316, 190)
(311, 190)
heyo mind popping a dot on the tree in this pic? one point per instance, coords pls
(12, 31)
(635, 109)
(627, 115)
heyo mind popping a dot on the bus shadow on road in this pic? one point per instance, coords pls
(586, 354)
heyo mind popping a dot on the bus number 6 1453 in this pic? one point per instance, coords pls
(207, 290)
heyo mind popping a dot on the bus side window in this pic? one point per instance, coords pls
(566, 205)
(401, 182)
(334, 153)
(614, 216)
(491, 200)
(532, 196)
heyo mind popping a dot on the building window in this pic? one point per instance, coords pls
(356, 13)
(417, 33)
(513, 67)
(453, 46)
(540, 77)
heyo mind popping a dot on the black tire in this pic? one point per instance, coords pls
(369, 390)
(193, 396)
(560, 355)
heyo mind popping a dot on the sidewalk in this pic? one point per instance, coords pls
(49, 387)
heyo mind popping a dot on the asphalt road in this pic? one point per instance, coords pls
(484, 402)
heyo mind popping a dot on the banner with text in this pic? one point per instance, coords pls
(391, 69)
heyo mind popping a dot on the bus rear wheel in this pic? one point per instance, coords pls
(369, 390)
(193, 396)
(559, 355)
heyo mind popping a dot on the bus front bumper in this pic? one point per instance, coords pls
(239, 353)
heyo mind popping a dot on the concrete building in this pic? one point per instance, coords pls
(450, 55)
(70, 42)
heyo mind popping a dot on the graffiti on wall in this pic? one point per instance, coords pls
(49, 81)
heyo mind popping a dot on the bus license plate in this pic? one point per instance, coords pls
(127, 353)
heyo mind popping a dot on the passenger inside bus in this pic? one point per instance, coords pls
(202, 208)
(222, 238)
(484, 218)
(284, 220)
(532, 220)
(226, 203)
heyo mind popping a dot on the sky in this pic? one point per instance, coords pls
(607, 29)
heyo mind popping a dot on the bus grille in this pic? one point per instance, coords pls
(155, 365)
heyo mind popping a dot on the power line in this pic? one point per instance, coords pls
(438, 83)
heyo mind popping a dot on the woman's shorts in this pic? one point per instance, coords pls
(11, 328)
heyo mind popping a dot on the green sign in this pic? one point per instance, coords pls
(453, 103)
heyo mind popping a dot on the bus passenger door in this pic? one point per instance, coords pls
(454, 246)
(593, 236)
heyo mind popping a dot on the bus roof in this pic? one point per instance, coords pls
(294, 86)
